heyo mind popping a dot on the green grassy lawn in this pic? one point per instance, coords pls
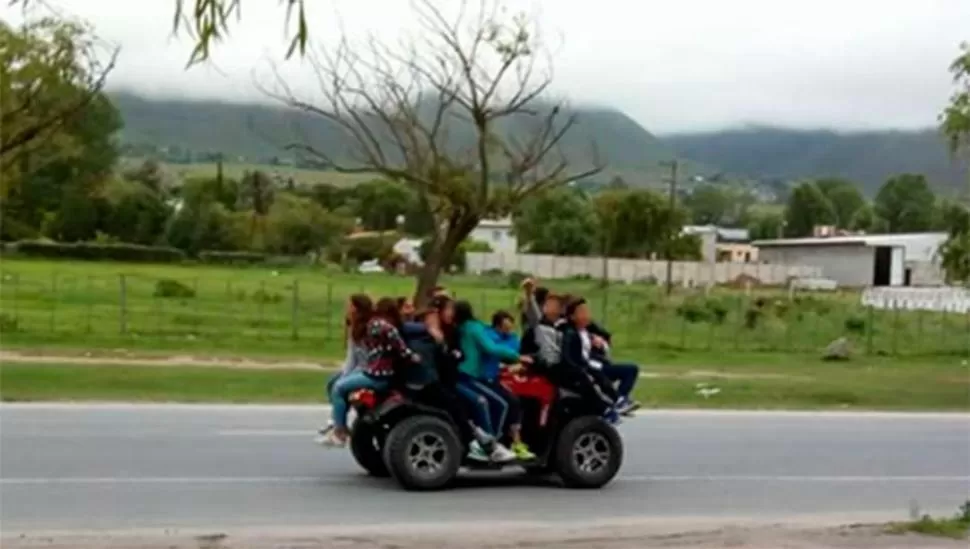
(876, 384)
(296, 312)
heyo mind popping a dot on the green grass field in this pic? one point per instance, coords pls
(298, 313)
(867, 384)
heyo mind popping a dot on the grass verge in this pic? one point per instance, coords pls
(955, 527)
(673, 387)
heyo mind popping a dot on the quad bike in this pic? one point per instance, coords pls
(419, 446)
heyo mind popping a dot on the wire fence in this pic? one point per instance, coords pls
(303, 315)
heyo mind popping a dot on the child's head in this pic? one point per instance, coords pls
(445, 308)
(387, 309)
(463, 312)
(503, 322)
(406, 306)
(577, 311)
(552, 307)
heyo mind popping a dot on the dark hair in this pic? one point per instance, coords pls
(540, 294)
(401, 301)
(440, 302)
(363, 311)
(573, 304)
(463, 312)
(387, 309)
(499, 317)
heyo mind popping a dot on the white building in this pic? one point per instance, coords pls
(864, 260)
(497, 233)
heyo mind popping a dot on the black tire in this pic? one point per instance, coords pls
(367, 451)
(423, 453)
(588, 453)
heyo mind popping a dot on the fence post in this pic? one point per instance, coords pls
(89, 309)
(53, 319)
(123, 304)
(260, 306)
(943, 337)
(329, 334)
(967, 317)
(295, 311)
(895, 326)
(16, 298)
(870, 329)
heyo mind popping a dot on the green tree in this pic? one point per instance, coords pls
(906, 204)
(710, 205)
(845, 197)
(50, 74)
(560, 222)
(297, 225)
(640, 223)
(956, 116)
(764, 225)
(441, 127)
(955, 252)
(807, 207)
(136, 213)
(256, 193)
(380, 204)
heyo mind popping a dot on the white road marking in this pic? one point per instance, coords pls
(350, 477)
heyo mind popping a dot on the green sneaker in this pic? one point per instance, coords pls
(476, 452)
(522, 452)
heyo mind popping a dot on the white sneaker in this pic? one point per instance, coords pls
(501, 454)
(330, 440)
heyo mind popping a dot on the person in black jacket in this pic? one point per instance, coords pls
(575, 371)
(622, 375)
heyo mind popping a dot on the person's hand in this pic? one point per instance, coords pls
(598, 342)
(436, 333)
(517, 369)
(529, 285)
(525, 359)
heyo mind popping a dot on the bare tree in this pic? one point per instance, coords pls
(459, 114)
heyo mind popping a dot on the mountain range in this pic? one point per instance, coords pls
(256, 132)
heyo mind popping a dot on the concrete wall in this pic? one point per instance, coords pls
(925, 273)
(691, 273)
(924, 299)
(850, 266)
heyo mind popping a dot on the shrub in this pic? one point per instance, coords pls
(168, 288)
(262, 296)
(515, 278)
(92, 251)
(8, 323)
(751, 317)
(697, 309)
(231, 258)
(855, 325)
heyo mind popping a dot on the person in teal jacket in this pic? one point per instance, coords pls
(478, 381)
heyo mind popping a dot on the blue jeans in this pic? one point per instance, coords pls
(625, 374)
(346, 384)
(332, 381)
(491, 406)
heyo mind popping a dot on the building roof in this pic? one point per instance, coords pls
(504, 223)
(726, 234)
(913, 242)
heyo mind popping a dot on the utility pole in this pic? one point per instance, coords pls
(672, 198)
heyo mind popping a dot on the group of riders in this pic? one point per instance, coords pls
(443, 356)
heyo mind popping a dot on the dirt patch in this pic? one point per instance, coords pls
(762, 537)
(121, 357)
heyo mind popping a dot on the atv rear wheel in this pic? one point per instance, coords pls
(423, 453)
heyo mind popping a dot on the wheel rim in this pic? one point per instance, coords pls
(591, 453)
(427, 454)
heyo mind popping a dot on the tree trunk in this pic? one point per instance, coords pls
(439, 256)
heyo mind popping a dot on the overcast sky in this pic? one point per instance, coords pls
(673, 65)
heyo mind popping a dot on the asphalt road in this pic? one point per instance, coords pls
(121, 467)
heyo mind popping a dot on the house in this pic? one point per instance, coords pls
(864, 260)
(723, 244)
(497, 233)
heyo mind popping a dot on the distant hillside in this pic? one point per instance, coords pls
(258, 132)
(868, 158)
